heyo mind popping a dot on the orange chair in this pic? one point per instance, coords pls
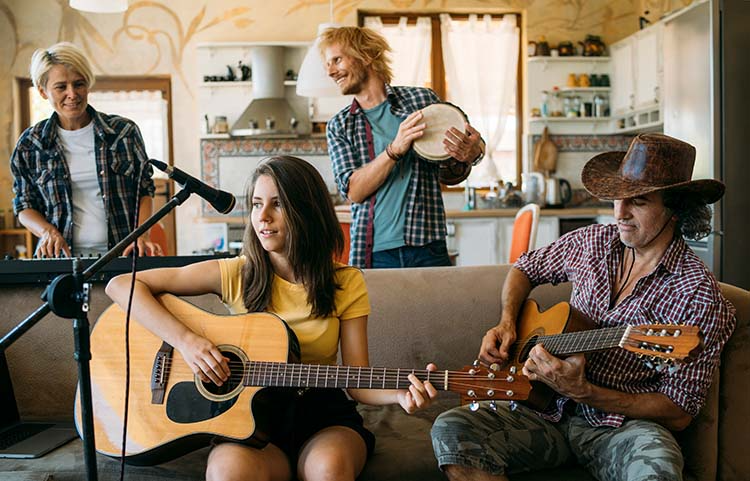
(158, 236)
(524, 231)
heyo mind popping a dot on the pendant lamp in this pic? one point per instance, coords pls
(100, 6)
(312, 80)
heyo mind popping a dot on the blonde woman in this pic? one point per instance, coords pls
(76, 175)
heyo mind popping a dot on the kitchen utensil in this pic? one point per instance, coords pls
(557, 192)
(438, 118)
(592, 46)
(566, 49)
(545, 154)
(541, 48)
(532, 186)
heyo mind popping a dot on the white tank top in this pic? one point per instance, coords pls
(89, 216)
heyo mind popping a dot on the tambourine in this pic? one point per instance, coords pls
(438, 117)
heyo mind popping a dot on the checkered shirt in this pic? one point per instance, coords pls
(348, 149)
(680, 290)
(41, 177)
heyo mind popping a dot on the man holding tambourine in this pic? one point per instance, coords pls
(390, 151)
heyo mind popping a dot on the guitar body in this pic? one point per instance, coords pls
(191, 413)
(532, 324)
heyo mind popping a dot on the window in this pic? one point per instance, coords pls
(144, 100)
(406, 34)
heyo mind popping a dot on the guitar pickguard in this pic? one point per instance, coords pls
(185, 404)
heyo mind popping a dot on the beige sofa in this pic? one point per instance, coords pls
(418, 316)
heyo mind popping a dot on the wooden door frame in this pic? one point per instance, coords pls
(162, 83)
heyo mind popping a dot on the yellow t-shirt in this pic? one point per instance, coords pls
(318, 337)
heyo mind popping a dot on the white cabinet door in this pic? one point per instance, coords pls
(547, 231)
(623, 84)
(476, 241)
(648, 69)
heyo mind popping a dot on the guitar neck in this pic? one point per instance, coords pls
(583, 341)
(276, 374)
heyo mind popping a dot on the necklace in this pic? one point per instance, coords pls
(625, 281)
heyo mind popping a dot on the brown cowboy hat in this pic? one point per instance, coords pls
(652, 163)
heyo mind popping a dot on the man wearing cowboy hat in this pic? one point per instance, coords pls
(612, 413)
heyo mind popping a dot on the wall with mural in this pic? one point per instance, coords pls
(159, 37)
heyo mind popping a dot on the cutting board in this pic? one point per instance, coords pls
(545, 154)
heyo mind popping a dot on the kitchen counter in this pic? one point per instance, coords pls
(344, 215)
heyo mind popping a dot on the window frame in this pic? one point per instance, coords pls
(438, 67)
(161, 83)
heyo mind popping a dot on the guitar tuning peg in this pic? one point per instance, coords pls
(649, 364)
(677, 332)
(475, 363)
(474, 406)
(494, 366)
(493, 406)
(513, 369)
(490, 375)
(513, 405)
(660, 367)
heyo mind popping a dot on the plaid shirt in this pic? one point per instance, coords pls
(41, 177)
(348, 149)
(680, 290)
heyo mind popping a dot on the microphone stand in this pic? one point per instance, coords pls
(68, 297)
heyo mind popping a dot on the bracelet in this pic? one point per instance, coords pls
(389, 152)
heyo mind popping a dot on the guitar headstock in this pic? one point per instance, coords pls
(663, 343)
(488, 383)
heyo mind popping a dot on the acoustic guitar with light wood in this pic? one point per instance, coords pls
(172, 412)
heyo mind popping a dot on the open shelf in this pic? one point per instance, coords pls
(585, 89)
(570, 119)
(543, 59)
(239, 83)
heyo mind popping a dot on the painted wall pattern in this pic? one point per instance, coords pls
(159, 37)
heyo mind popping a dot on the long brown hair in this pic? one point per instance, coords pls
(367, 46)
(313, 236)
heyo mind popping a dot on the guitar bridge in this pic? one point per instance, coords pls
(160, 373)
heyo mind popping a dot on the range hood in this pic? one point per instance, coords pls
(270, 113)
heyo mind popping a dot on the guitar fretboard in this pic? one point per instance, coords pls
(583, 341)
(276, 374)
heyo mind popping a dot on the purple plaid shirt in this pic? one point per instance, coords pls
(680, 290)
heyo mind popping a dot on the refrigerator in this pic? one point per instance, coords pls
(706, 101)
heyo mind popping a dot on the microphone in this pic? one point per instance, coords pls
(219, 200)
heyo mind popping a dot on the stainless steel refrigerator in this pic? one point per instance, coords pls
(706, 101)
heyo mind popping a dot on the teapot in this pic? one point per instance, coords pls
(566, 49)
(541, 48)
(557, 192)
(592, 46)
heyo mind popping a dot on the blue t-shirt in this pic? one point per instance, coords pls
(390, 203)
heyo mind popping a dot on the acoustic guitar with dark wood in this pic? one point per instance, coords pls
(172, 412)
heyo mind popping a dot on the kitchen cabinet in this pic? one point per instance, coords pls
(218, 96)
(637, 76)
(477, 241)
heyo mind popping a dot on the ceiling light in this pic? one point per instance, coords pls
(100, 6)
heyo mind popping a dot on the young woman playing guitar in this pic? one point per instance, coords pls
(286, 268)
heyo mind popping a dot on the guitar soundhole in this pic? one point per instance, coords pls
(527, 346)
(235, 378)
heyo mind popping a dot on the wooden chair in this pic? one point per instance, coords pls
(524, 231)
(159, 237)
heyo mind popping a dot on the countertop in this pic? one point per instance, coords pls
(344, 215)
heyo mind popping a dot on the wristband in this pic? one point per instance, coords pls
(389, 152)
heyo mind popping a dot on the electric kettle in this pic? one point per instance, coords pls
(557, 192)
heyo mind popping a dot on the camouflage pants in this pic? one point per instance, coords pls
(517, 441)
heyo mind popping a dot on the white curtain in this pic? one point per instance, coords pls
(146, 108)
(481, 61)
(411, 46)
